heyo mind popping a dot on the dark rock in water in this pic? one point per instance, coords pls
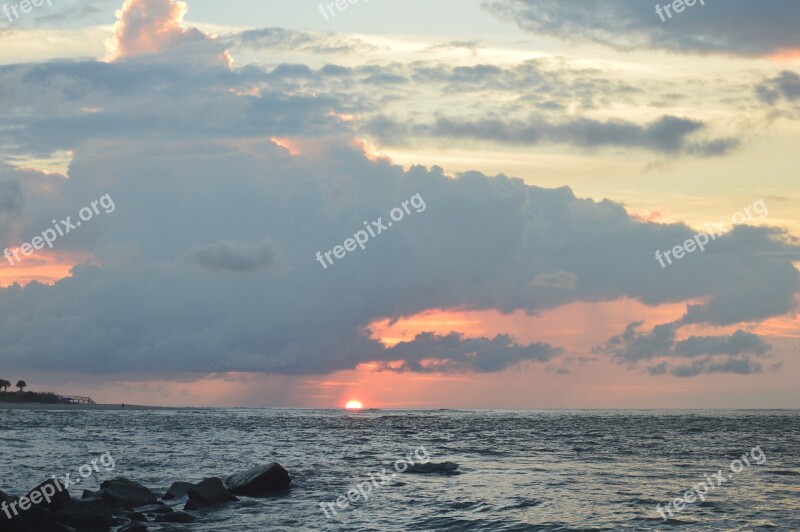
(91, 515)
(136, 516)
(88, 494)
(193, 505)
(15, 523)
(210, 492)
(259, 480)
(131, 493)
(158, 508)
(133, 527)
(112, 500)
(57, 527)
(177, 517)
(178, 490)
(30, 519)
(444, 468)
(59, 497)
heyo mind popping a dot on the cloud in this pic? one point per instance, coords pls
(10, 197)
(151, 314)
(136, 97)
(738, 343)
(710, 354)
(668, 134)
(299, 41)
(737, 27)
(428, 353)
(471, 46)
(237, 257)
(562, 280)
(785, 85)
(72, 11)
(736, 365)
(183, 145)
(152, 26)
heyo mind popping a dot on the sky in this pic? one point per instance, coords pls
(453, 204)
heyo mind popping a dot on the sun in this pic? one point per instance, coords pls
(354, 405)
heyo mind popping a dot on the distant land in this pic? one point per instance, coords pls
(29, 400)
(43, 406)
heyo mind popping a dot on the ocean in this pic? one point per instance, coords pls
(516, 470)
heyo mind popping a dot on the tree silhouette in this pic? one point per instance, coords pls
(4, 384)
(21, 385)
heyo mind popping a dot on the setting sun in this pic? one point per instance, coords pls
(354, 405)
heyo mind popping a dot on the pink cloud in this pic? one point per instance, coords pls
(150, 27)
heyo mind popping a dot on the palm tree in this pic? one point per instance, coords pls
(21, 385)
(4, 384)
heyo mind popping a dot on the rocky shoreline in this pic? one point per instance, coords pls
(129, 506)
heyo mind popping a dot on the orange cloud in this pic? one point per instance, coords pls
(46, 267)
(652, 216)
(576, 326)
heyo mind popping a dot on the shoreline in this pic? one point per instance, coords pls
(43, 406)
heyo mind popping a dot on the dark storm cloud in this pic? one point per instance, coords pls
(277, 102)
(709, 354)
(735, 365)
(482, 244)
(740, 27)
(785, 85)
(228, 256)
(461, 354)
(668, 134)
(738, 343)
(77, 101)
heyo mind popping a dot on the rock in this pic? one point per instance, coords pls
(177, 517)
(158, 508)
(132, 494)
(88, 494)
(444, 468)
(91, 515)
(58, 500)
(136, 516)
(14, 524)
(56, 527)
(133, 527)
(259, 480)
(112, 500)
(178, 490)
(35, 518)
(210, 492)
